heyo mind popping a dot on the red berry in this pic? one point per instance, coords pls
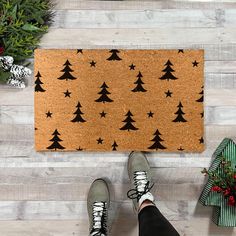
(231, 201)
(1, 50)
(216, 189)
(227, 192)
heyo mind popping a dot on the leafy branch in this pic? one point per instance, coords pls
(224, 181)
(22, 24)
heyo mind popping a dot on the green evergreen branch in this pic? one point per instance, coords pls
(22, 24)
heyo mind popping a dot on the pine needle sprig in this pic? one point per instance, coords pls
(22, 24)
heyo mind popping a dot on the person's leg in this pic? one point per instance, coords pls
(151, 221)
(98, 201)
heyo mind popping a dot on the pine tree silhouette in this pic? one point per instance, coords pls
(180, 149)
(128, 126)
(67, 75)
(168, 72)
(78, 113)
(139, 82)
(55, 145)
(104, 98)
(179, 114)
(157, 141)
(38, 82)
(201, 99)
(114, 145)
(79, 149)
(114, 56)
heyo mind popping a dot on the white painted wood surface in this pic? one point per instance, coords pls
(74, 19)
(44, 194)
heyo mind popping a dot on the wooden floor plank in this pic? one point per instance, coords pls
(140, 5)
(194, 227)
(77, 210)
(77, 192)
(85, 175)
(81, 38)
(153, 18)
(77, 159)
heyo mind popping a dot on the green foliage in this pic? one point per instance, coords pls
(224, 180)
(22, 24)
(4, 75)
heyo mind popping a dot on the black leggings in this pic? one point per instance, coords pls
(153, 223)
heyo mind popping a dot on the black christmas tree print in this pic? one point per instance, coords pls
(202, 114)
(78, 114)
(180, 149)
(38, 82)
(201, 99)
(67, 72)
(79, 149)
(128, 120)
(80, 51)
(201, 140)
(114, 146)
(168, 72)
(114, 56)
(179, 114)
(104, 94)
(139, 82)
(157, 141)
(55, 145)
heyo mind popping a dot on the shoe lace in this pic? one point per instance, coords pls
(99, 227)
(142, 185)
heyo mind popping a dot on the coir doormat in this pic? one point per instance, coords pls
(119, 100)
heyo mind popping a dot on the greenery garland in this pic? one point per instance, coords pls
(22, 24)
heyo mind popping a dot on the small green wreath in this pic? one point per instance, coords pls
(22, 24)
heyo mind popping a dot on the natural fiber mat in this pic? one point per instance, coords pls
(119, 100)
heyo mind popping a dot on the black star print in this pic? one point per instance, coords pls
(202, 114)
(49, 114)
(99, 141)
(67, 93)
(79, 149)
(92, 63)
(80, 51)
(150, 114)
(181, 51)
(103, 114)
(201, 140)
(132, 66)
(168, 93)
(195, 63)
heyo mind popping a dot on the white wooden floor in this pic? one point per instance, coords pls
(44, 194)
